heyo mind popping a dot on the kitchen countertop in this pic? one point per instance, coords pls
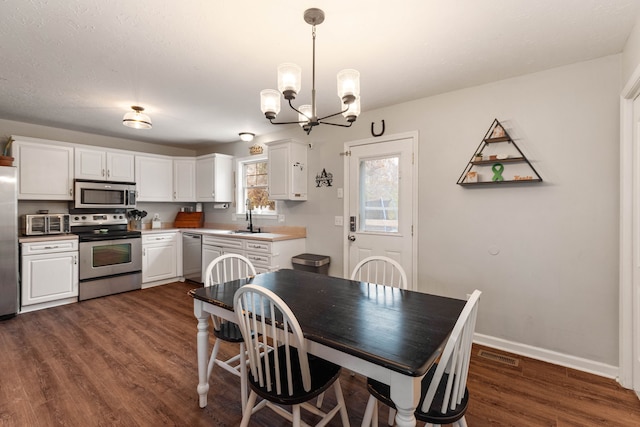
(221, 232)
(47, 238)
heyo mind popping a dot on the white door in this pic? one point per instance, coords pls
(381, 202)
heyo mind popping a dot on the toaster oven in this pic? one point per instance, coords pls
(34, 225)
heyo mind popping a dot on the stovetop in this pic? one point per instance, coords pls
(101, 226)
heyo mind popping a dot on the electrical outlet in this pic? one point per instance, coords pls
(280, 218)
(337, 220)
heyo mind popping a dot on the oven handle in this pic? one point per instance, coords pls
(102, 239)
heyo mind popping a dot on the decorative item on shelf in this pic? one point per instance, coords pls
(477, 157)
(497, 169)
(522, 178)
(498, 132)
(493, 157)
(472, 176)
(324, 179)
(502, 156)
(289, 76)
(5, 158)
(256, 149)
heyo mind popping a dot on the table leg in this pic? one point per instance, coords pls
(405, 393)
(203, 351)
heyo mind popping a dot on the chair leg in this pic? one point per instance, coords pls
(296, 415)
(461, 422)
(248, 410)
(392, 417)
(320, 400)
(212, 359)
(343, 406)
(243, 377)
(369, 412)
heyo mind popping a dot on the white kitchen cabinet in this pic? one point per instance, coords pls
(184, 180)
(287, 170)
(159, 256)
(154, 178)
(214, 178)
(264, 255)
(45, 169)
(104, 165)
(49, 274)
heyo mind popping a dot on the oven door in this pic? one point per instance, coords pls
(103, 258)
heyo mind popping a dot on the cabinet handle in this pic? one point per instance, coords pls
(75, 260)
(174, 195)
(71, 191)
(144, 251)
(102, 172)
(51, 247)
(108, 173)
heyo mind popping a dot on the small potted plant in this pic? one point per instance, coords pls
(478, 157)
(5, 158)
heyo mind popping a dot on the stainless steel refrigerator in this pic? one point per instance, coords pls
(8, 242)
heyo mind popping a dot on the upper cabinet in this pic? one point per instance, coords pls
(184, 180)
(154, 178)
(287, 170)
(214, 178)
(45, 169)
(104, 165)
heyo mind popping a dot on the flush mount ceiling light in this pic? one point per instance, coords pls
(136, 119)
(289, 86)
(246, 136)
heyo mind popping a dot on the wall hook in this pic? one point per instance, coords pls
(377, 134)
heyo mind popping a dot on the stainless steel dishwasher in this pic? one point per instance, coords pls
(192, 257)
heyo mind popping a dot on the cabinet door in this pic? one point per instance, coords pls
(120, 166)
(184, 180)
(209, 253)
(90, 164)
(159, 262)
(287, 171)
(45, 171)
(214, 178)
(49, 277)
(154, 179)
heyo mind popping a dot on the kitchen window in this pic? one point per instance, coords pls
(253, 186)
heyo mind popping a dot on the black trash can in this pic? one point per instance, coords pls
(311, 262)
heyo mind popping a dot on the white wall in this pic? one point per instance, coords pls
(554, 284)
(631, 53)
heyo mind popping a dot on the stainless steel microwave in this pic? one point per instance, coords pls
(34, 225)
(104, 195)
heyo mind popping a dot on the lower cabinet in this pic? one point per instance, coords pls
(159, 256)
(264, 255)
(49, 274)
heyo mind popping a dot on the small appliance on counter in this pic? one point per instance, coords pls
(40, 224)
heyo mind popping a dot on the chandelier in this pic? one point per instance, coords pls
(289, 77)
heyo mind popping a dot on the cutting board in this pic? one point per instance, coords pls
(189, 220)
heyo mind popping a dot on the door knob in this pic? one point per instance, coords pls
(351, 237)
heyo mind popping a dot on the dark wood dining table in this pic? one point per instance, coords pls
(385, 333)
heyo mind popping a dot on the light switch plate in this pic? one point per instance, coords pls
(337, 220)
(340, 193)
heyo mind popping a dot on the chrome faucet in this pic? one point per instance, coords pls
(248, 216)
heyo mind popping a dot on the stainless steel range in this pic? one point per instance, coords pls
(110, 254)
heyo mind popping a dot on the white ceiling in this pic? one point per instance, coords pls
(197, 66)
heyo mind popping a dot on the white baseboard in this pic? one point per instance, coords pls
(568, 361)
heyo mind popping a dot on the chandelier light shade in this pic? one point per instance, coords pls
(246, 136)
(289, 84)
(137, 119)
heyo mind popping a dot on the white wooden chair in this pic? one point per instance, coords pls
(285, 374)
(380, 270)
(225, 268)
(444, 388)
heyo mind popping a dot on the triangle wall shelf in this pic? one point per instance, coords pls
(498, 161)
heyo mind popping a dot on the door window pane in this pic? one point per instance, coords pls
(379, 193)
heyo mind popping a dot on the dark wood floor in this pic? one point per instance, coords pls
(130, 360)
